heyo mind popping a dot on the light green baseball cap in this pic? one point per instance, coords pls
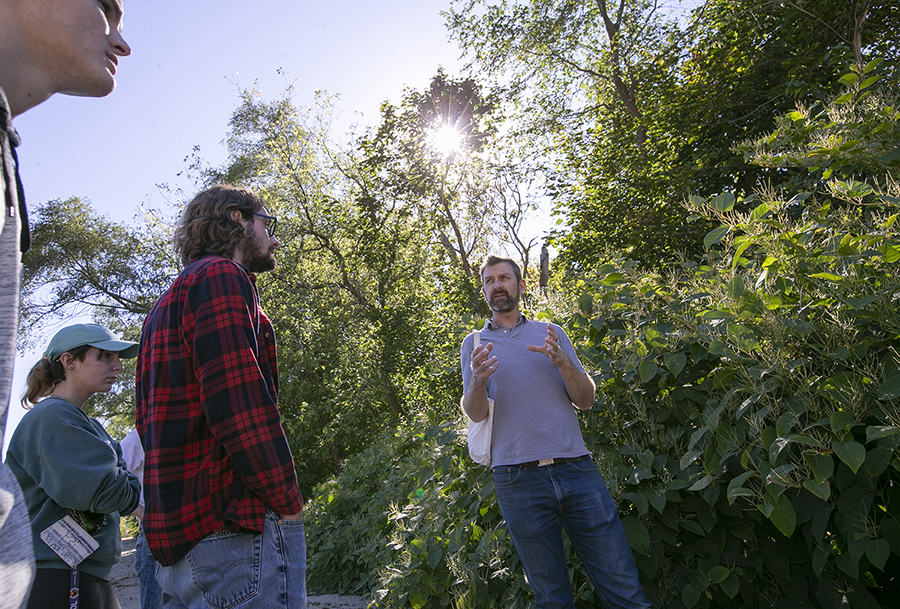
(94, 335)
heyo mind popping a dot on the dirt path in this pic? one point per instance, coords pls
(125, 583)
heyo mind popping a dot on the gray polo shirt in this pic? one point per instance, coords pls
(533, 416)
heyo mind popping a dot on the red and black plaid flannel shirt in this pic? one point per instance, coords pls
(207, 413)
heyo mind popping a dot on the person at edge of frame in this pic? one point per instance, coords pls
(46, 47)
(145, 566)
(544, 476)
(68, 466)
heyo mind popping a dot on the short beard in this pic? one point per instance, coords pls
(510, 304)
(253, 260)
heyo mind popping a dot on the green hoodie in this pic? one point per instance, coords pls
(64, 459)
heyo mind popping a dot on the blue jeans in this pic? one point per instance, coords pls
(146, 566)
(537, 502)
(241, 570)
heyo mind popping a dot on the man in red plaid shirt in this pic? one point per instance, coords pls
(223, 510)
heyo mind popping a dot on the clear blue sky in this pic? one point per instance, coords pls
(177, 90)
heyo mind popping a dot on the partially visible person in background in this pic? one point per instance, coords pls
(46, 47)
(144, 564)
(70, 469)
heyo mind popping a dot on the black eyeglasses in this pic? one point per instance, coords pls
(270, 227)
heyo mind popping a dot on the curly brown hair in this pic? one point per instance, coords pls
(206, 227)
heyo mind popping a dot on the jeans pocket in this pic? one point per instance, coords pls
(584, 465)
(506, 475)
(225, 567)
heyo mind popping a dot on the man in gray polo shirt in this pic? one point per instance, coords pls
(544, 476)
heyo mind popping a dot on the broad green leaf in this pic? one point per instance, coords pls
(418, 546)
(822, 490)
(702, 483)
(877, 460)
(716, 314)
(655, 337)
(852, 189)
(800, 197)
(841, 420)
(690, 595)
(760, 212)
(827, 276)
(736, 489)
(637, 534)
(715, 236)
(743, 336)
(798, 116)
(776, 447)
(843, 99)
(853, 454)
(739, 250)
(658, 501)
(723, 202)
(418, 599)
(848, 79)
(847, 565)
(731, 586)
(613, 279)
(783, 515)
(891, 254)
(890, 530)
(736, 287)
(872, 65)
(819, 560)
(639, 501)
(822, 466)
(648, 370)
(801, 439)
(890, 388)
(718, 574)
(874, 433)
(878, 551)
(639, 473)
(745, 405)
(869, 82)
(675, 362)
(434, 558)
(586, 303)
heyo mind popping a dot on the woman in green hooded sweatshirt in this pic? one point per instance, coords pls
(68, 466)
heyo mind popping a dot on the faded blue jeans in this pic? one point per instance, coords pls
(241, 570)
(537, 502)
(146, 567)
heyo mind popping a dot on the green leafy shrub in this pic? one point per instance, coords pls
(750, 404)
(413, 521)
(748, 412)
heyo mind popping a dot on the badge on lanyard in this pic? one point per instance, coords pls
(69, 540)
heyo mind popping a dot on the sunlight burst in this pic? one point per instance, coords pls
(447, 140)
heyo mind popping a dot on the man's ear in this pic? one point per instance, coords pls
(236, 216)
(522, 286)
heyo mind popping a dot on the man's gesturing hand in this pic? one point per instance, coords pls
(551, 349)
(483, 365)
